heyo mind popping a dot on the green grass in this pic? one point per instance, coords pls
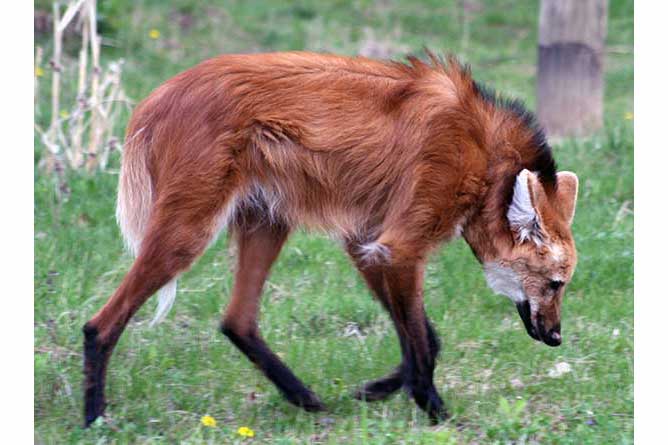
(162, 380)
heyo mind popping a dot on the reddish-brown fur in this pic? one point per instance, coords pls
(391, 158)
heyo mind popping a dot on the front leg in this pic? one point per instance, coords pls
(418, 341)
(381, 388)
(384, 387)
(373, 274)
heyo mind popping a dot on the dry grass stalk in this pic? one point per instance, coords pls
(82, 136)
(39, 53)
(95, 135)
(70, 13)
(52, 160)
(113, 95)
(77, 119)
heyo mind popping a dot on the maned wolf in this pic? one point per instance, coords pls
(393, 159)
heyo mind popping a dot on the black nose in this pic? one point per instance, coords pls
(553, 337)
(556, 338)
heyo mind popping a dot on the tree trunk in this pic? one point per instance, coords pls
(571, 46)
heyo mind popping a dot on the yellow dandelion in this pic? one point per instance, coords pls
(244, 431)
(628, 116)
(64, 114)
(208, 421)
(154, 34)
(39, 72)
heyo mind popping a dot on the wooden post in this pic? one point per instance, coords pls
(571, 46)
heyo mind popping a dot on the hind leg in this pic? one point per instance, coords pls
(258, 249)
(172, 242)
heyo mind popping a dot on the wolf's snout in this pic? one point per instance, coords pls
(553, 338)
(524, 310)
(537, 331)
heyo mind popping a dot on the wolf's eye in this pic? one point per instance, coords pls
(556, 284)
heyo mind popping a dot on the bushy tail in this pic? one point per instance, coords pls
(133, 208)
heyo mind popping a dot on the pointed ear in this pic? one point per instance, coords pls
(567, 195)
(523, 216)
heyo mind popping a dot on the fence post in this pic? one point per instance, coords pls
(570, 66)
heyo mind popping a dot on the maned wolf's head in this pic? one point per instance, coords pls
(534, 271)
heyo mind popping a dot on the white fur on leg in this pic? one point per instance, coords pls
(223, 219)
(166, 297)
(167, 294)
(374, 253)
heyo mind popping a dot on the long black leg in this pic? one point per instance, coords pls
(259, 246)
(384, 387)
(418, 340)
(290, 386)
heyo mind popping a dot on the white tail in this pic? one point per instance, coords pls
(133, 209)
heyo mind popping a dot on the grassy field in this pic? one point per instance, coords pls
(317, 313)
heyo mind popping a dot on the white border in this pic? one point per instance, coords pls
(650, 299)
(651, 302)
(17, 185)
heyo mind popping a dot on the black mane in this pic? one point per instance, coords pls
(544, 163)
